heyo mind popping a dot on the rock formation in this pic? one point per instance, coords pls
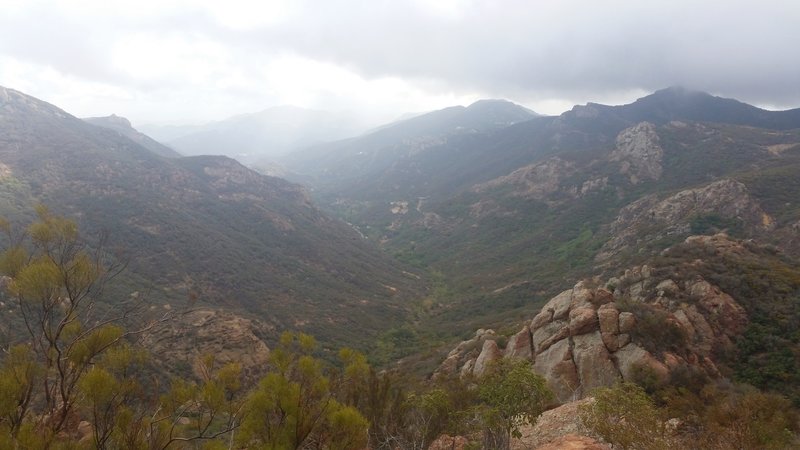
(639, 153)
(642, 323)
(725, 198)
(229, 338)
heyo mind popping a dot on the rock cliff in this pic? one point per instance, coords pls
(639, 153)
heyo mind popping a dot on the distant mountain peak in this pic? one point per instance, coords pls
(113, 119)
(494, 104)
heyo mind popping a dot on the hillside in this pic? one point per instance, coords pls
(249, 243)
(507, 217)
(402, 157)
(123, 126)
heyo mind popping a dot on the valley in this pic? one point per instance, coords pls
(654, 243)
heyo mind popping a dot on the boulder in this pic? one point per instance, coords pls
(632, 358)
(520, 345)
(489, 353)
(556, 366)
(608, 316)
(627, 322)
(549, 334)
(582, 319)
(593, 361)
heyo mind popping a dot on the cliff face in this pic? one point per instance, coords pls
(643, 324)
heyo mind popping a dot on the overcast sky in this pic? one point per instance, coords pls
(194, 60)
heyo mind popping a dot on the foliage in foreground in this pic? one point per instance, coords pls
(719, 416)
(78, 380)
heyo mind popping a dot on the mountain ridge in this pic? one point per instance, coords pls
(252, 243)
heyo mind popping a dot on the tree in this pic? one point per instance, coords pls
(625, 416)
(56, 280)
(294, 407)
(512, 395)
(79, 363)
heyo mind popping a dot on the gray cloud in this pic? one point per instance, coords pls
(524, 50)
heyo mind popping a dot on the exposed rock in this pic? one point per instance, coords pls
(632, 357)
(639, 153)
(627, 321)
(229, 338)
(552, 426)
(557, 366)
(520, 345)
(549, 334)
(582, 320)
(593, 361)
(672, 215)
(489, 354)
(535, 181)
(608, 317)
(581, 339)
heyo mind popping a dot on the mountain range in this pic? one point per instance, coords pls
(203, 226)
(464, 218)
(507, 214)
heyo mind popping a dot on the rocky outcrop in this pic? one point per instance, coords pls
(728, 199)
(639, 153)
(558, 428)
(588, 336)
(461, 360)
(535, 181)
(183, 342)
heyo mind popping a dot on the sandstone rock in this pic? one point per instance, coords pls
(536, 181)
(559, 305)
(544, 317)
(489, 353)
(448, 367)
(611, 341)
(582, 320)
(720, 307)
(466, 369)
(552, 425)
(556, 365)
(582, 295)
(632, 357)
(549, 334)
(520, 345)
(639, 153)
(623, 340)
(726, 198)
(602, 296)
(608, 316)
(226, 336)
(627, 322)
(593, 362)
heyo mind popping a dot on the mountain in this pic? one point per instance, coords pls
(506, 217)
(264, 135)
(205, 225)
(393, 155)
(123, 126)
(679, 103)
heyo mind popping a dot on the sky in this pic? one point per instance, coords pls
(190, 61)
